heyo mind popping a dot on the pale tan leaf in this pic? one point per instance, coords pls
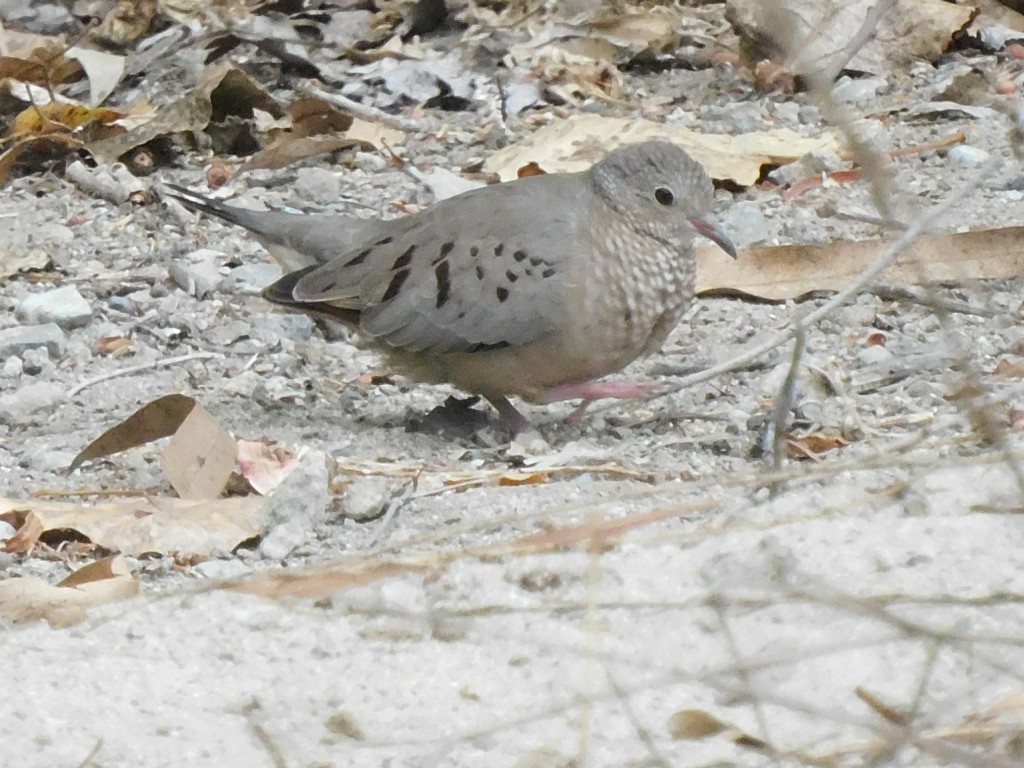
(15, 259)
(374, 134)
(104, 71)
(200, 457)
(809, 36)
(581, 140)
(29, 599)
(789, 271)
(145, 525)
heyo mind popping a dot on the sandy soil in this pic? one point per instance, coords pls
(866, 610)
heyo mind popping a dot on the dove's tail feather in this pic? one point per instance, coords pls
(281, 292)
(194, 201)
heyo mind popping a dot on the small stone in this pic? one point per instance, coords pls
(19, 406)
(297, 506)
(317, 185)
(221, 569)
(198, 273)
(20, 339)
(874, 355)
(272, 327)
(746, 223)
(857, 90)
(13, 367)
(811, 164)
(366, 498)
(251, 278)
(966, 156)
(63, 306)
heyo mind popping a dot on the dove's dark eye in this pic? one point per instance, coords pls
(664, 196)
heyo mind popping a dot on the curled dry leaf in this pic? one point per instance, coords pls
(809, 36)
(155, 420)
(30, 599)
(808, 446)
(223, 91)
(140, 526)
(576, 143)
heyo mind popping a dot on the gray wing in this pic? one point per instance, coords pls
(485, 269)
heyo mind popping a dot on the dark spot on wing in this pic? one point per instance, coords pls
(474, 251)
(627, 315)
(512, 276)
(445, 250)
(444, 285)
(499, 249)
(483, 347)
(548, 272)
(395, 285)
(529, 272)
(502, 294)
(359, 259)
(385, 241)
(535, 262)
(519, 255)
(403, 261)
(479, 272)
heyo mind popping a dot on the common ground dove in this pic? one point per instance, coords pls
(534, 288)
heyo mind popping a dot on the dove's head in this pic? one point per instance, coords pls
(662, 192)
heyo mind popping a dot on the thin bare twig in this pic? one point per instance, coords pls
(917, 228)
(365, 111)
(139, 368)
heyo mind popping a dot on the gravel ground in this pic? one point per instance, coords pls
(890, 568)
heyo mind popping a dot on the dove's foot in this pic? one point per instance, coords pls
(511, 419)
(589, 391)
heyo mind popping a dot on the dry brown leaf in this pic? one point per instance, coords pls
(806, 446)
(322, 581)
(785, 272)
(200, 456)
(581, 140)
(1009, 369)
(289, 148)
(127, 22)
(48, 144)
(691, 724)
(115, 346)
(222, 91)
(145, 525)
(155, 420)
(28, 528)
(30, 599)
(45, 118)
(312, 116)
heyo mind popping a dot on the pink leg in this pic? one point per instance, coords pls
(598, 390)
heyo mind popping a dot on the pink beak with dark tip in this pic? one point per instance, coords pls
(715, 234)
